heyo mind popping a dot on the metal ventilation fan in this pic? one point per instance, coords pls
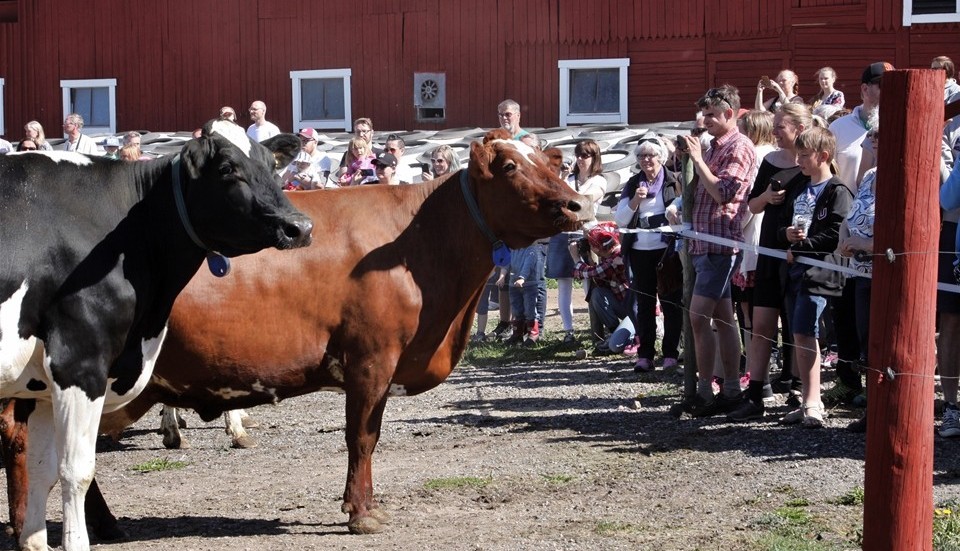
(429, 89)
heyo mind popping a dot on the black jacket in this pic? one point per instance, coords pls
(822, 239)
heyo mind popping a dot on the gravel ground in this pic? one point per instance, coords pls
(523, 456)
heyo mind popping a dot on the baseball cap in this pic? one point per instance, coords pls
(112, 141)
(386, 159)
(603, 237)
(309, 133)
(872, 74)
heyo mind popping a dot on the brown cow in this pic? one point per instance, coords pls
(396, 281)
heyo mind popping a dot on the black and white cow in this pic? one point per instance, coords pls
(93, 253)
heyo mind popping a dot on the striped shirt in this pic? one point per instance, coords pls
(732, 159)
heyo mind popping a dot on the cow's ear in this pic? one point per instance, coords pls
(480, 157)
(285, 148)
(195, 154)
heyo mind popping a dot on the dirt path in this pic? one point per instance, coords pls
(558, 456)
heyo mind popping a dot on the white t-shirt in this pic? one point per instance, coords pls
(5, 146)
(264, 131)
(84, 144)
(850, 132)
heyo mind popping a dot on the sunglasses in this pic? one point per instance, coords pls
(715, 93)
(28, 149)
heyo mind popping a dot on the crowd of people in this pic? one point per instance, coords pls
(791, 175)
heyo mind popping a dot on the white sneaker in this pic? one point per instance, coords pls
(950, 426)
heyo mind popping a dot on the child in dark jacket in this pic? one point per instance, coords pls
(814, 232)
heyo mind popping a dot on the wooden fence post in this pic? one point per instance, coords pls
(898, 481)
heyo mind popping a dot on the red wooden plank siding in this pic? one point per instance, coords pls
(176, 62)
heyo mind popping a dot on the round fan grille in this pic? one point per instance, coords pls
(429, 90)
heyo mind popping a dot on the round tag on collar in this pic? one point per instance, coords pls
(219, 265)
(501, 255)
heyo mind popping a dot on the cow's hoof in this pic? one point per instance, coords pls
(244, 442)
(365, 525)
(174, 442)
(380, 515)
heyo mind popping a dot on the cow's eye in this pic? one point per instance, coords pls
(509, 166)
(226, 170)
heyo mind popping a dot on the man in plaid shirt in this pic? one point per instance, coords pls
(719, 206)
(609, 297)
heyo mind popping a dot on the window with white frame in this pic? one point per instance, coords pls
(95, 100)
(930, 11)
(321, 99)
(593, 91)
(3, 129)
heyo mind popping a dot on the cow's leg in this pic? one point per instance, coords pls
(99, 517)
(76, 420)
(13, 448)
(170, 429)
(247, 421)
(364, 416)
(42, 475)
(233, 421)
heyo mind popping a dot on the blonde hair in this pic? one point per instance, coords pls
(36, 127)
(758, 126)
(129, 152)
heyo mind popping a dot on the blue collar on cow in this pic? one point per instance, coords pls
(501, 254)
(219, 265)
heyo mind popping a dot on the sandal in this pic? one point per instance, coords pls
(813, 415)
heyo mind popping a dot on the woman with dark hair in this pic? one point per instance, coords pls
(586, 179)
(27, 144)
(643, 204)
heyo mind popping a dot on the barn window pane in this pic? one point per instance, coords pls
(933, 7)
(322, 99)
(93, 104)
(594, 91)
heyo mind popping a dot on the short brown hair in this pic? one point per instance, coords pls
(716, 97)
(945, 63)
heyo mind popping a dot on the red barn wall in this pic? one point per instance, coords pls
(177, 61)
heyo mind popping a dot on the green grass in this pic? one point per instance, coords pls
(557, 478)
(159, 464)
(853, 497)
(549, 349)
(457, 482)
(946, 526)
(611, 527)
(792, 527)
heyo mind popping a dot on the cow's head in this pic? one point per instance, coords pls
(233, 196)
(520, 194)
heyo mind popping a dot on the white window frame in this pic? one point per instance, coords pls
(299, 122)
(3, 129)
(110, 83)
(566, 65)
(910, 19)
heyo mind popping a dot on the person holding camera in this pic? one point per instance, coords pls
(643, 204)
(778, 180)
(609, 299)
(724, 175)
(786, 87)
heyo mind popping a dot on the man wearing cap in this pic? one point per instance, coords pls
(261, 129)
(320, 163)
(851, 130)
(386, 165)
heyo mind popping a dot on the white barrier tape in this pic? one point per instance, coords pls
(685, 230)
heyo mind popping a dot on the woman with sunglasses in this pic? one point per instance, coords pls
(27, 144)
(586, 179)
(443, 160)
